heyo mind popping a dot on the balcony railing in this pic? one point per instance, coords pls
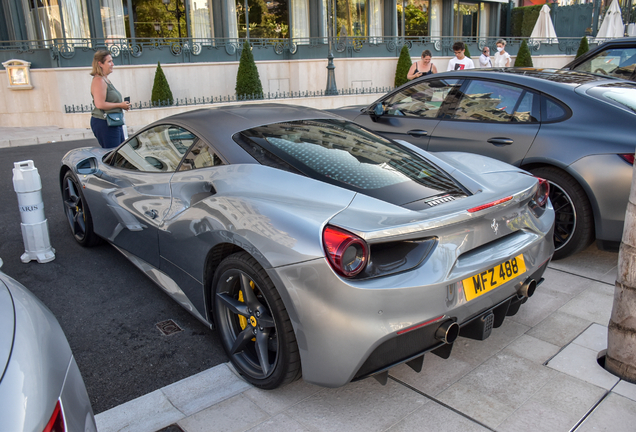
(138, 51)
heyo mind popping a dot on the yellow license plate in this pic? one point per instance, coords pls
(490, 279)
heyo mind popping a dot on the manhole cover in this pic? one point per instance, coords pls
(168, 327)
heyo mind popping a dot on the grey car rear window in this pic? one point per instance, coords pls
(621, 94)
(342, 153)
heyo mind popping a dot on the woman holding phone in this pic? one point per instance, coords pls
(107, 100)
(422, 67)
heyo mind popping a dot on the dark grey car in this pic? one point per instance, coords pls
(574, 129)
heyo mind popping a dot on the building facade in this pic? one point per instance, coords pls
(298, 20)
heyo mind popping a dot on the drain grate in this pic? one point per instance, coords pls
(171, 428)
(168, 327)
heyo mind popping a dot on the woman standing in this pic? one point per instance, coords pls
(422, 67)
(502, 58)
(107, 100)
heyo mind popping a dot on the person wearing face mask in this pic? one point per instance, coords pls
(502, 58)
(484, 59)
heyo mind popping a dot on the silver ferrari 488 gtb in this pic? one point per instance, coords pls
(314, 246)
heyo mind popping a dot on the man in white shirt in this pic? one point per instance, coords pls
(484, 58)
(460, 61)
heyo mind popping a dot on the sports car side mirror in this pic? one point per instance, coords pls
(376, 112)
(87, 166)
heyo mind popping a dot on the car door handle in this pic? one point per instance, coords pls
(152, 214)
(417, 133)
(500, 141)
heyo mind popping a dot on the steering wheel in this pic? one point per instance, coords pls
(601, 71)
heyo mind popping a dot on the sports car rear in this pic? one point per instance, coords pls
(471, 261)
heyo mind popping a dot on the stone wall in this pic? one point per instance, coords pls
(55, 88)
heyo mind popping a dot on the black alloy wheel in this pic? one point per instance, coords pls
(574, 221)
(253, 323)
(77, 212)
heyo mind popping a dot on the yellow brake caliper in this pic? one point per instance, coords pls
(242, 319)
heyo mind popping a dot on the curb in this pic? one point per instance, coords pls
(19, 137)
(168, 405)
(45, 138)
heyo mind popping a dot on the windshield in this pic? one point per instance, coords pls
(621, 94)
(615, 62)
(344, 154)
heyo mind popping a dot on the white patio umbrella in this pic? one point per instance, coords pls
(544, 29)
(612, 26)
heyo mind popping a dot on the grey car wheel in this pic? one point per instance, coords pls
(574, 221)
(253, 323)
(77, 212)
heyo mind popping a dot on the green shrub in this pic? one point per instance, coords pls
(524, 19)
(530, 17)
(161, 93)
(467, 52)
(248, 83)
(524, 59)
(516, 18)
(403, 66)
(584, 47)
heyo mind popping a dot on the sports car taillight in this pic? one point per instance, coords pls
(490, 204)
(541, 196)
(629, 158)
(348, 254)
(56, 423)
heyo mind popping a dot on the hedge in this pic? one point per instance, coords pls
(524, 19)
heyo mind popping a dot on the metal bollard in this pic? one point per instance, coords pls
(35, 227)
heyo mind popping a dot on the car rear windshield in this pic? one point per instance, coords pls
(346, 155)
(621, 94)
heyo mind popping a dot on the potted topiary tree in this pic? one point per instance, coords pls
(161, 93)
(403, 66)
(524, 59)
(248, 82)
(584, 47)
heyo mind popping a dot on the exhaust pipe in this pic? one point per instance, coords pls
(528, 288)
(447, 332)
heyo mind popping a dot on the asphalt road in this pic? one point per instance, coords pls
(106, 306)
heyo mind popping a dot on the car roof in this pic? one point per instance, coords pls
(620, 41)
(234, 118)
(550, 77)
(217, 124)
(555, 82)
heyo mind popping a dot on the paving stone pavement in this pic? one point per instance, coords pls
(537, 372)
